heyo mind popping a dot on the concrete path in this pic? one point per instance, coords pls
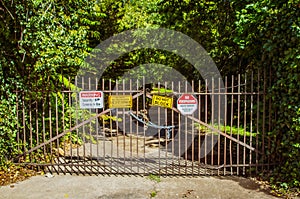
(104, 187)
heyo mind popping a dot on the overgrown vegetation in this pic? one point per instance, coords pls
(8, 132)
(41, 40)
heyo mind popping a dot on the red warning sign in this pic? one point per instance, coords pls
(90, 94)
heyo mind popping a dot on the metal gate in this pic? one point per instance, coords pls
(56, 134)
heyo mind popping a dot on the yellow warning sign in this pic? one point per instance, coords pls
(162, 101)
(120, 101)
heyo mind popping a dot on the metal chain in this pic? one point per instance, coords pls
(149, 123)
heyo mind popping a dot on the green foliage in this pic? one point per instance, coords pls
(8, 131)
(73, 137)
(268, 32)
(153, 194)
(161, 91)
(108, 118)
(8, 112)
(56, 36)
(45, 41)
(90, 138)
(289, 148)
(227, 129)
(72, 114)
(154, 178)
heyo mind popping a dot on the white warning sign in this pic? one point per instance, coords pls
(91, 99)
(187, 104)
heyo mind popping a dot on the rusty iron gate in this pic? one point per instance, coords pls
(55, 134)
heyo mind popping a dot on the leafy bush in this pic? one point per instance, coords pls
(287, 175)
(8, 132)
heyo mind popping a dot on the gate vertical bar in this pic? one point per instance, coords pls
(166, 135)
(37, 122)
(144, 125)
(30, 122)
(123, 123)
(83, 129)
(245, 121)
(63, 116)
(159, 144)
(37, 115)
(199, 129)
(90, 129)
(179, 133)
(18, 118)
(173, 132)
(77, 106)
(238, 124)
(212, 118)
(50, 123)
(23, 120)
(251, 122)
(193, 135)
(130, 130)
(137, 127)
(231, 123)
(257, 120)
(219, 125)
(185, 135)
(97, 132)
(264, 118)
(103, 129)
(270, 115)
(57, 126)
(206, 119)
(70, 118)
(111, 127)
(43, 122)
(225, 125)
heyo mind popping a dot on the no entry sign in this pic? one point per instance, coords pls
(187, 104)
(91, 99)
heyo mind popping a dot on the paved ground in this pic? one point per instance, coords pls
(102, 187)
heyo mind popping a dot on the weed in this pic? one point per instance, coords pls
(154, 178)
(153, 194)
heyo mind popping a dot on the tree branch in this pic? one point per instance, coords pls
(7, 10)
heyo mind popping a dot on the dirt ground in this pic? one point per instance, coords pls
(104, 186)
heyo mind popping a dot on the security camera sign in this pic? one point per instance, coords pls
(91, 99)
(187, 104)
